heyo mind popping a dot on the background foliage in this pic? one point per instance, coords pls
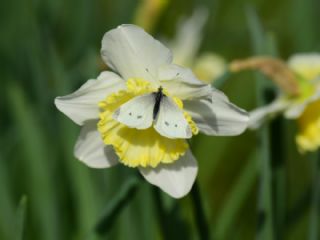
(253, 186)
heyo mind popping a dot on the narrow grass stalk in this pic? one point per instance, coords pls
(116, 205)
(265, 228)
(161, 213)
(315, 198)
(237, 196)
(261, 45)
(21, 218)
(201, 221)
(82, 186)
(279, 176)
(6, 207)
(41, 190)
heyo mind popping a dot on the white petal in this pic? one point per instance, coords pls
(82, 105)
(189, 33)
(217, 117)
(132, 52)
(261, 114)
(182, 83)
(171, 72)
(306, 65)
(91, 150)
(177, 178)
(295, 110)
(306, 59)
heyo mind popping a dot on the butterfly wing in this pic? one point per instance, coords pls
(136, 113)
(170, 121)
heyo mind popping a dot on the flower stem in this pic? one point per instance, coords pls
(116, 205)
(237, 197)
(161, 213)
(199, 214)
(263, 44)
(265, 213)
(278, 175)
(315, 198)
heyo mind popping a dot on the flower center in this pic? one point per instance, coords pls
(144, 148)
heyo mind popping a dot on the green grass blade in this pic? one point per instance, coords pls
(6, 207)
(21, 217)
(39, 179)
(265, 206)
(116, 205)
(236, 197)
(199, 213)
(315, 198)
(82, 184)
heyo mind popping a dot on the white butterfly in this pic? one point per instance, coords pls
(140, 112)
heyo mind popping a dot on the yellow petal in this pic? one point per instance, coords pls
(308, 137)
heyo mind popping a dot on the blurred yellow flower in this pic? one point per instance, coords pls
(307, 66)
(148, 12)
(308, 137)
(299, 99)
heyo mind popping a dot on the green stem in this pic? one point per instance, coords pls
(199, 214)
(279, 176)
(237, 197)
(21, 218)
(263, 44)
(116, 205)
(265, 207)
(315, 199)
(161, 213)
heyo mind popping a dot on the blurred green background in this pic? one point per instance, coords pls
(254, 186)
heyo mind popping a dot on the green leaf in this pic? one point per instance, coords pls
(36, 159)
(116, 205)
(315, 198)
(21, 217)
(237, 197)
(261, 46)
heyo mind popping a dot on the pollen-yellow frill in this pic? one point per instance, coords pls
(139, 147)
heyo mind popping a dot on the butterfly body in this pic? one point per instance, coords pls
(154, 108)
(157, 101)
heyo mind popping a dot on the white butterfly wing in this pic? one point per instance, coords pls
(170, 121)
(136, 113)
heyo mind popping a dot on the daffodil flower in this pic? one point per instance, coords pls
(299, 98)
(142, 113)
